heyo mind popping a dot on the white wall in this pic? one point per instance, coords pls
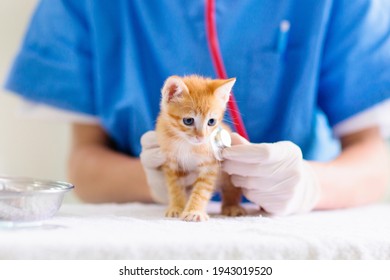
(31, 148)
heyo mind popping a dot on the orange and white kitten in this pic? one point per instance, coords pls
(192, 107)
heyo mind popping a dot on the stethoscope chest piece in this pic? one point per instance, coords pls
(220, 139)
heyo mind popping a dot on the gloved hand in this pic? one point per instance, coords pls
(152, 159)
(273, 176)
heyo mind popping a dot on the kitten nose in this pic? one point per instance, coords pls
(199, 138)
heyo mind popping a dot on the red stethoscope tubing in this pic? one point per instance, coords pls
(212, 39)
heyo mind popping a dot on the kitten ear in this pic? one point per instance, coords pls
(223, 89)
(173, 89)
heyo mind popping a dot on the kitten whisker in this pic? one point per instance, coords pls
(230, 121)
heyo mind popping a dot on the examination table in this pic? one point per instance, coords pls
(140, 231)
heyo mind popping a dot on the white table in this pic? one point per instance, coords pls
(139, 231)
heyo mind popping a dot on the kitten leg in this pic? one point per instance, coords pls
(195, 210)
(177, 195)
(231, 198)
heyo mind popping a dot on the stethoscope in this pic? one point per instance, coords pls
(220, 138)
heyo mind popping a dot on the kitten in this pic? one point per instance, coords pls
(191, 108)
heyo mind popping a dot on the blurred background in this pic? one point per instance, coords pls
(28, 147)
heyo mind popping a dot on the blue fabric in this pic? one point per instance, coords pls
(109, 59)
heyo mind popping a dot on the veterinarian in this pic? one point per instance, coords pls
(313, 89)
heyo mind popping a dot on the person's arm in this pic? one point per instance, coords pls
(358, 176)
(101, 174)
(277, 178)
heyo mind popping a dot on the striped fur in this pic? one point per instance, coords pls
(187, 147)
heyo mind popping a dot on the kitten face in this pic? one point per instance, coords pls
(194, 106)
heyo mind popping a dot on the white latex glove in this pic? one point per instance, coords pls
(273, 176)
(152, 159)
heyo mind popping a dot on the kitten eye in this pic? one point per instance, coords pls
(188, 121)
(211, 122)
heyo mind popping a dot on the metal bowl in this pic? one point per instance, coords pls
(30, 200)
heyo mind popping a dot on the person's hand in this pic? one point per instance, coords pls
(273, 176)
(152, 159)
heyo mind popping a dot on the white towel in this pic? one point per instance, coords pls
(139, 231)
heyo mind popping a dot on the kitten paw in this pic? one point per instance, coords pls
(194, 216)
(233, 211)
(173, 212)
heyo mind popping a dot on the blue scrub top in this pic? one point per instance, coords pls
(109, 59)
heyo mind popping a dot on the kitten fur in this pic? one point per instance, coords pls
(191, 170)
